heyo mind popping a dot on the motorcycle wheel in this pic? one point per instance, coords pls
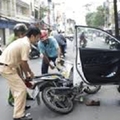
(92, 89)
(60, 104)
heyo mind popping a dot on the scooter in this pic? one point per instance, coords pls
(34, 53)
(60, 95)
(83, 44)
(51, 86)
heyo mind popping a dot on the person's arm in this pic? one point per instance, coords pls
(63, 38)
(43, 55)
(24, 61)
(26, 69)
(47, 61)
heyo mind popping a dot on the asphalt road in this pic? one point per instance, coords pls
(109, 108)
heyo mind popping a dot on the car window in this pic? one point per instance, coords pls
(88, 37)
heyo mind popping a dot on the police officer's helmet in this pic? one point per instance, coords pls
(44, 33)
(20, 28)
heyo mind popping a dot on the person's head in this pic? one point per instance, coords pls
(82, 32)
(49, 30)
(33, 34)
(44, 36)
(35, 23)
(59, 31)
(20, 30)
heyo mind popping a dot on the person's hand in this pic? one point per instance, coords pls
(58, 59)
(30, 76)
(28, 84)
(41, 56)
(51, 65)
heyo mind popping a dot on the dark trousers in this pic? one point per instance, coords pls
(62, 47)
(46, 65)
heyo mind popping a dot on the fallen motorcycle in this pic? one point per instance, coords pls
(41, 85)
(61, 99)
(55, 87)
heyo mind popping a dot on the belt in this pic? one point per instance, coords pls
(3, 64)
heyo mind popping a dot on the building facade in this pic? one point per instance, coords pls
(15, 11)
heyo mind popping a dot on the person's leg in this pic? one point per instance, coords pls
(19, 99)
(20, 73)
(85, 41)
(80, 42)
(44, 67)
(18, 90)
(10, 98)
(62, 50)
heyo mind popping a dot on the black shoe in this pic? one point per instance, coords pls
(11, 103)
(29, 98)
(27, 107)
(23, 118)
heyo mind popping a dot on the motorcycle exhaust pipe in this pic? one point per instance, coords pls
(61, 90)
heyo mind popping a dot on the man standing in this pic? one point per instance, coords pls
(61, 41)
(14, 55)
(83, 40)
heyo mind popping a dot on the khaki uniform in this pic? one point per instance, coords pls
(12, 56)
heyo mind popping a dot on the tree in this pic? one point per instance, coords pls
(90, 19)
(96, 18)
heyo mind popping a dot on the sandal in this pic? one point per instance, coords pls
(93, 103)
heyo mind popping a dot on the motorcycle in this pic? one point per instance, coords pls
(34, 53)
(51, 84)
(83, 44)
(40, 85)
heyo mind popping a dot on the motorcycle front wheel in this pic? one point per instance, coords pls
(57, 103)
(92, 89)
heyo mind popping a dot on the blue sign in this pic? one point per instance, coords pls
(7, 24)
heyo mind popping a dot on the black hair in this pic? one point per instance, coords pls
(32, 30)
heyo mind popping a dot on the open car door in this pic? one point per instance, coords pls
(97, 55)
